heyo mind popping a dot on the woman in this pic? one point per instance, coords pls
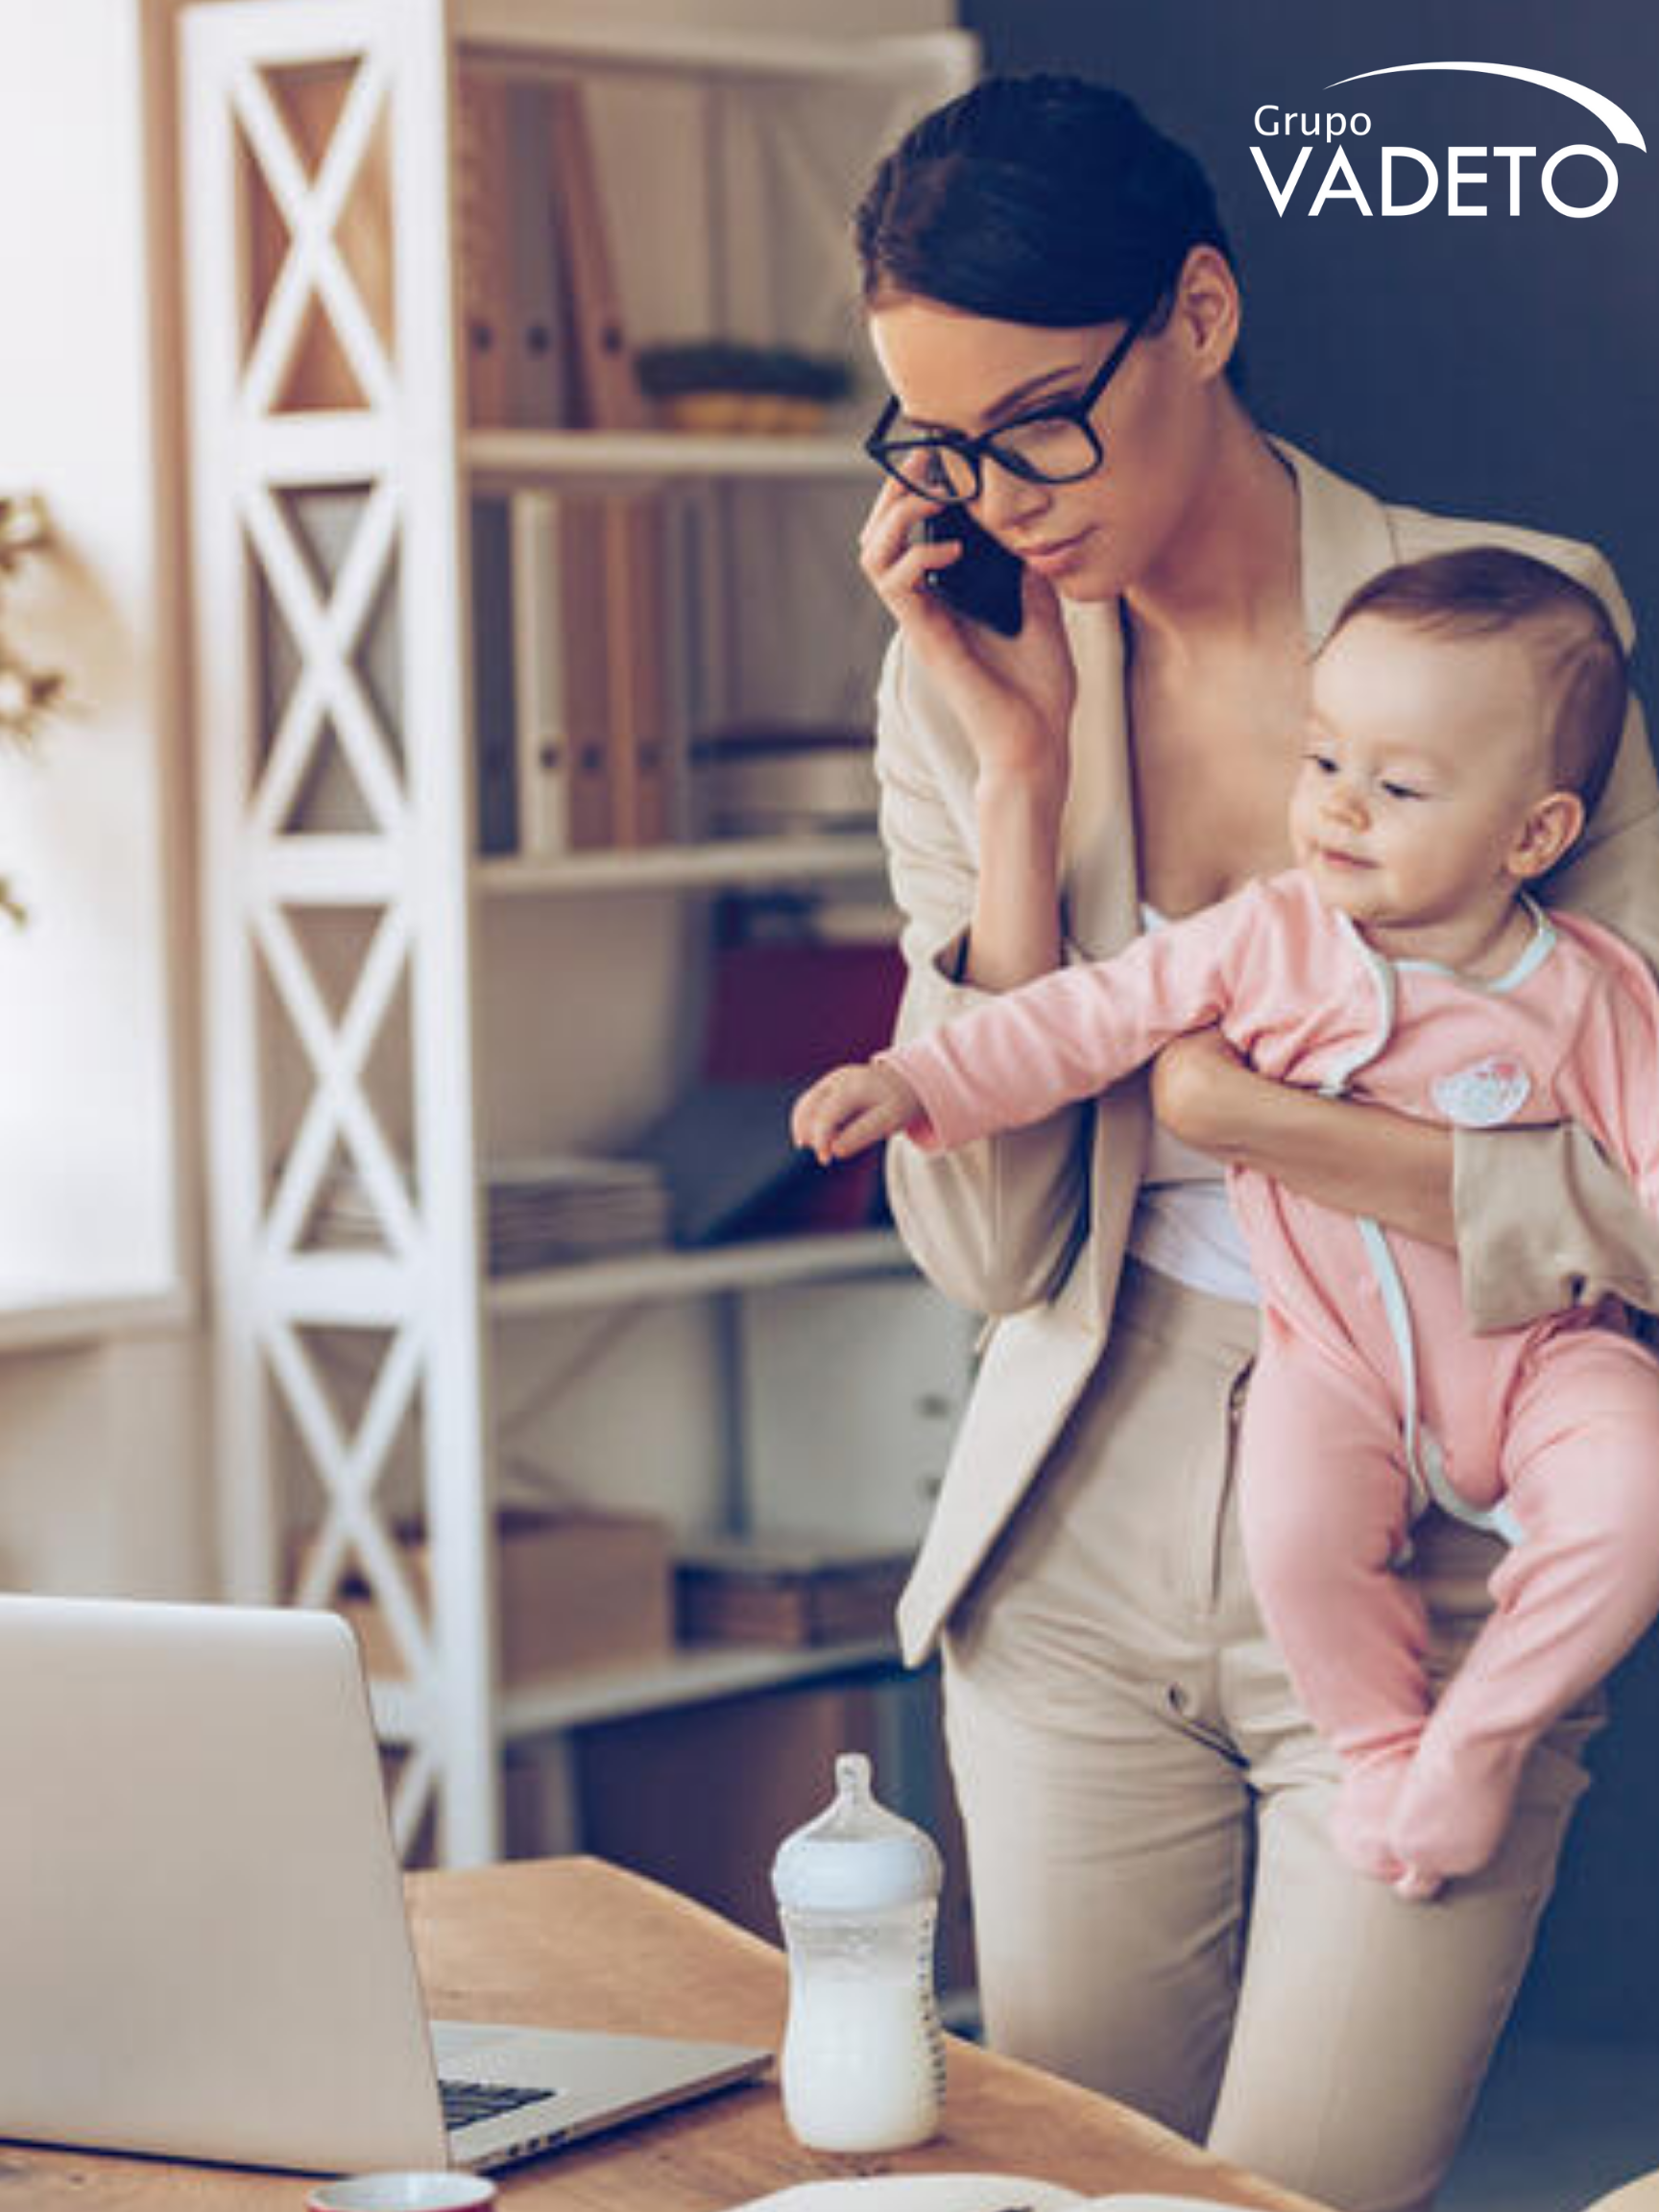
(1158, 1910)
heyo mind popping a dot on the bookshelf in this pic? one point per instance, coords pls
(378, 991)
(754, 1266)
(505, 458)
(688, 1676)
(729, 862)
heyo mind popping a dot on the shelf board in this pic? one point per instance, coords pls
(719, 861)
(510, 457)
(360, 1289)
(689, 1677)
(515, 36)
(676, 1274)
(695, 1674)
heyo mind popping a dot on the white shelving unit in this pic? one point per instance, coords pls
(497, 458)
(692, 1274)
(730, 864)
(361, 948)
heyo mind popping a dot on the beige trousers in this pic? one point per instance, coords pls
(1158, 1911)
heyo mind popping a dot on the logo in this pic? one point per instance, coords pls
(1485, 1096)
(1477, 180)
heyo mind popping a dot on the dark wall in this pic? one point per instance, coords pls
(1495, 366)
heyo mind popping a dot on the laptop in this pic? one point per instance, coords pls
(202, 1946)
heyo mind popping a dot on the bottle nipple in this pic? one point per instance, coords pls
(852, 1778)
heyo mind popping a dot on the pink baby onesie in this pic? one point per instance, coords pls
(1370, 1391)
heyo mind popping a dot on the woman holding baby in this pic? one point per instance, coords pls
(1161, 1911)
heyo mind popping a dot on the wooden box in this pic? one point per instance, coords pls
(788, 1591)
(573, 1590)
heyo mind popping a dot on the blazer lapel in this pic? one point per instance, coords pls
(1100, 913)
(1346, 539)
(1100, 878)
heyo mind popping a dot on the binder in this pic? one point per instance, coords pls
(484, 199)
(493, 708)
(610, 395)
(536, 337)
(689, 560)
(579, 624)
(542, 749)
(635, 621)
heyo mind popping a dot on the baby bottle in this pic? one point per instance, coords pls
(858, 1894)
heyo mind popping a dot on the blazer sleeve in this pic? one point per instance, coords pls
(1544, 1219)
(996, 1225)
(1609, 1079)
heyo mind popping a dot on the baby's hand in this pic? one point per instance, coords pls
(852, 1108)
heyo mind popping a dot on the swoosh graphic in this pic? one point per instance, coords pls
(1606, 111)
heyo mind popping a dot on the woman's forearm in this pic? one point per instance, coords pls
(1354, 1158)
(1015, 933)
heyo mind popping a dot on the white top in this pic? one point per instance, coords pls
(1183, 1223)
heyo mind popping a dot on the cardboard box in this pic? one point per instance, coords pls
(574, 1589)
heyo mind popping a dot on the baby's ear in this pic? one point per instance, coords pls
(1548, 833)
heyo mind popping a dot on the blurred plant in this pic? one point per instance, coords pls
(28, 696)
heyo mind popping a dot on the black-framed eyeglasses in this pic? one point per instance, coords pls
(1055, 444)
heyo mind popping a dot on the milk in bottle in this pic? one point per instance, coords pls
(858, 1894)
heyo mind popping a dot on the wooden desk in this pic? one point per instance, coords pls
(574, 1944)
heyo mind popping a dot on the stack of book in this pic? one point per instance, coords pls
(784, 782)
(543, 1213)
(538, 1212)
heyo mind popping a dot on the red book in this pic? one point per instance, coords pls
(793, 1011)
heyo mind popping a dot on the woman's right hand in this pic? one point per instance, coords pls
(1013, 695)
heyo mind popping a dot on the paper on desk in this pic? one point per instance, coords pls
(963, 2193)
(921, 2193)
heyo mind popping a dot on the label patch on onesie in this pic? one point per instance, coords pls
(1482, 1096)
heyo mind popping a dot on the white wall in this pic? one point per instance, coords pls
(102, 1483)
(101, 1489)
(87, 1114)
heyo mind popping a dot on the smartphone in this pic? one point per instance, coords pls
(985, 579)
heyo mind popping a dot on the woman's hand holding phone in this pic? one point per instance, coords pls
(1013, 695)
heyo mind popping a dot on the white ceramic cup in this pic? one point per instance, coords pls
(402, 2193)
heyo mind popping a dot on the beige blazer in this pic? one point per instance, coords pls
(1029, 1228)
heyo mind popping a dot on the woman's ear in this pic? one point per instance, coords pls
(1206, 311)
(1546, 834)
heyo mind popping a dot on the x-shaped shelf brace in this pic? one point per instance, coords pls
(326, 630)
(339, 1106)
(313, 267)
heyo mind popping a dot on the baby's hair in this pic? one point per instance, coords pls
(1045, 199)
(1483, 590)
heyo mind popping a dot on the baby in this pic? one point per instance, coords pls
(1465, 714)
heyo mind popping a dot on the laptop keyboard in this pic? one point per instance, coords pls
(467, 2102)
